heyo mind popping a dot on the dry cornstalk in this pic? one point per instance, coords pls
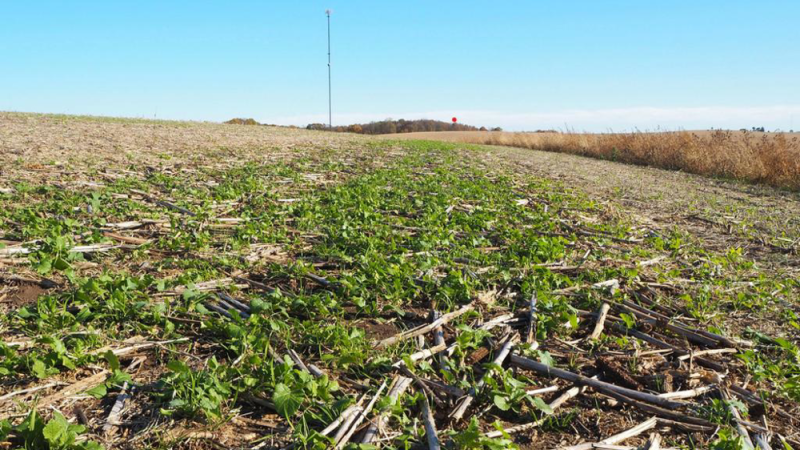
(714, 336)
(239, 305)
(359, 417)
(541, 391)
(347, 422)
(211, 285)
(458, 413)
(423, 329)
(400, 385)
(315, 371)
(611, 440)
(601, 320)
(296, 359)
(229, 307)
(666, 324)
(116, 410)
(713, 351)
(427, 353)
(689, 427)
(531, 338)
(430, 426)
(424, 387)
(568, 394)
(163, 203)
(675, 418)
(126, 239)
(345, 415)
(445, 388)
(601, 386)
(499, 320)
(30, 390)
(654, 442)
(762, 441)
(737, 420)
(144, 345)
(690, 393)
(438, 338)
(650, 262)
(611, 284)
(93, 248)
(620, 328)
(72, 389)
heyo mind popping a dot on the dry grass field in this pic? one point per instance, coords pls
(203, 286)
(769, 158)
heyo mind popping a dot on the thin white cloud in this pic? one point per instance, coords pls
(782, 117)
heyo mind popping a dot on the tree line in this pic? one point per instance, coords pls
(390, 126)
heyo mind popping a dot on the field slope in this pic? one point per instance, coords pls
(755, 157)
(192, 285)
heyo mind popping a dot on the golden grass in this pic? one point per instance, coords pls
(769, 158)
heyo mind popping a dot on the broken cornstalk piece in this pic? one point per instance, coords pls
(601, 386)
(458, 413)
(611, 440)
(601, 320)
(423, 329)
(430, 425)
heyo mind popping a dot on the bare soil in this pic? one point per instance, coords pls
(23, 295)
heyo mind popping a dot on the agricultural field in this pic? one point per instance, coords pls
(196, 285)
(755, 157)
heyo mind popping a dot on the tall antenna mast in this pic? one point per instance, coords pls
(330, 110)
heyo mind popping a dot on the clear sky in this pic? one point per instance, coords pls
(588, 65)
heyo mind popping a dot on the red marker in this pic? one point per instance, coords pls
(455, 120)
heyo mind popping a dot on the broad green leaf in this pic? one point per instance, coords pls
(5, 428)
(286, 402)
(56, 429)
(546, 359)
(630, 322)
(113, 361)
(118, 377)
(573, 321)
(25, 313)
(99, 391)
(39, 369)
(177, 403)
(178, 366)
(45, 266)
(542, 406)
(501, 402)
(61, 264)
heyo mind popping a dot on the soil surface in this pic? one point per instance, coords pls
(18, 296)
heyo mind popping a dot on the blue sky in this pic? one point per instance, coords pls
(587, 65)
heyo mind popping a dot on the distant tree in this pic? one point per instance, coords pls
(497, 129)
(239, 121)
(390, 126)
